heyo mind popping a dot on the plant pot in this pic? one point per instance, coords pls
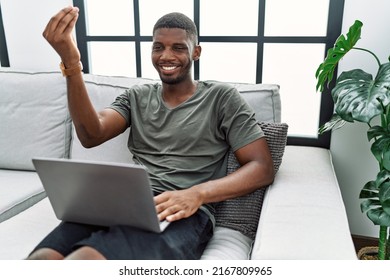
(368, 253)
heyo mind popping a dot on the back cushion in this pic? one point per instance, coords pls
(264, 99)
(34, 118)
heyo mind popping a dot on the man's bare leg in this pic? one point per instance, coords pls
(85, 253)
(45, 254)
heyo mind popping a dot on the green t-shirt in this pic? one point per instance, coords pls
(188, 144)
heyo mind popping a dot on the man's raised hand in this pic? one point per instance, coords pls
(59, 34)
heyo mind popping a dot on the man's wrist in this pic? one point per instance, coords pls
(71, 70)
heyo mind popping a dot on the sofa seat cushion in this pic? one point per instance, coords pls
(18, 191)
(20, 235)
(303, 215)
(228, 244)
(35, 121)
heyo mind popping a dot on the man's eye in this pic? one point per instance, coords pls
(156, 48)
(180, 48)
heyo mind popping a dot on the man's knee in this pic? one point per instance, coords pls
(45, 254)
(85, 253)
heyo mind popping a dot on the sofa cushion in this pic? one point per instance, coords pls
(243, 213)
(264, 99)
(20, 235)
(227, 244)
(303, 215)
(102, 91)
(18, 191)
(34, 118)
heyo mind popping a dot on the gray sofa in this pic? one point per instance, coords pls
(300, 216)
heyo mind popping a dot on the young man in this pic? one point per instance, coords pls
(181, 131)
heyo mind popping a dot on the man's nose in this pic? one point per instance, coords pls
(167, 54)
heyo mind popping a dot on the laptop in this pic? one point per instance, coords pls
(99, 193)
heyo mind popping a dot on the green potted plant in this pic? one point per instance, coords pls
(359, 97)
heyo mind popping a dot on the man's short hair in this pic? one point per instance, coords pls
(178, 20)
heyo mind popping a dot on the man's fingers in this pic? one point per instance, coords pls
(172, 214)
(66, 23)
(63, 22)
(175, 205)
(160, 198)
(173, 211)
(53, 22)
(177, 216)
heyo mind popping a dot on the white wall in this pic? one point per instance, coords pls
(353, 160)
(24, 22)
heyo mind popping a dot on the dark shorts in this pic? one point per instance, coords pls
(183, 239)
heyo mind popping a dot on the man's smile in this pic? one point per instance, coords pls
(168, 68)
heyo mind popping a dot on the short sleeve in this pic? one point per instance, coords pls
(122, 106)
(238, 121)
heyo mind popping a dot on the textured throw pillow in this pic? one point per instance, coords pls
(243, 213)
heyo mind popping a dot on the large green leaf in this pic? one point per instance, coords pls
(383, 176)
(334, 123)
(384, 196)
(386, 160)
(376, 199)
(386, 206)
(379, 217)
(342, 45)
(369, 191)
(376, 131)
(380, 148)
(358, 97)
(370, 204)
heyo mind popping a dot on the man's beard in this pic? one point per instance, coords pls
(173, 80)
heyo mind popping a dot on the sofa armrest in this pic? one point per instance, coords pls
(303, 215)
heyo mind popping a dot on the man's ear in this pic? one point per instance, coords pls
(197, 52)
